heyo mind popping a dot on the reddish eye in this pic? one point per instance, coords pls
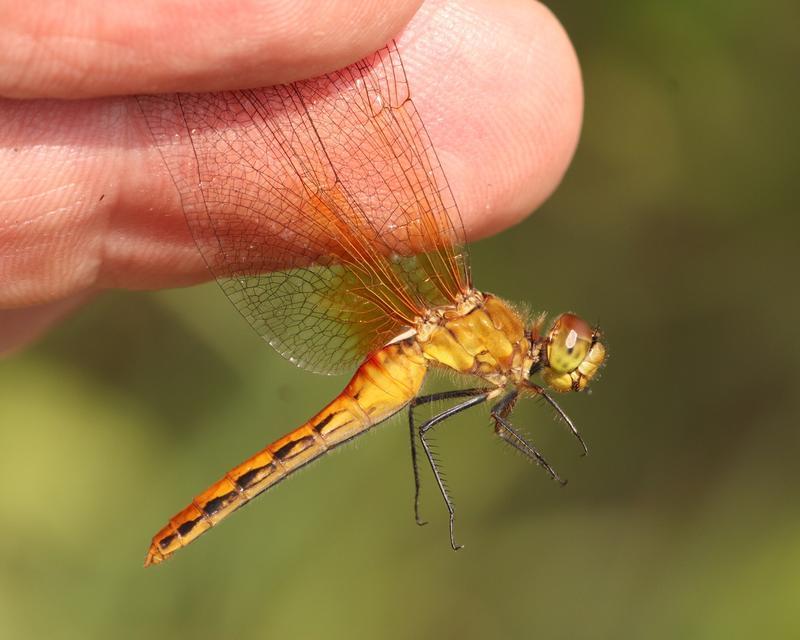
(569, 341)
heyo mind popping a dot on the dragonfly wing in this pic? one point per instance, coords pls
(320, 207)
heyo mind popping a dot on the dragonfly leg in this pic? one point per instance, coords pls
(504, 429)
(416, 402)
(535, 388)
(481, 396)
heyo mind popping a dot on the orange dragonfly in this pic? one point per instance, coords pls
(322, 210)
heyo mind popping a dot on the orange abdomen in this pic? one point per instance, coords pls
(383, 385)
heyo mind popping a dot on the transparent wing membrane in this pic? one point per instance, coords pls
(320, 207)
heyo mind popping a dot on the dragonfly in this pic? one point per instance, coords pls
(322, 210)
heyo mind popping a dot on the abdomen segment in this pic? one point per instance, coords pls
(383, 385)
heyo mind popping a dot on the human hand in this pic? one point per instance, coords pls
(86, 203)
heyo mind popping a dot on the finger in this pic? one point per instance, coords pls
(502, 97)
(87, 202)
(114, 48)
(20, 326)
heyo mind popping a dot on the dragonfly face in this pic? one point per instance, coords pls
(571, 354)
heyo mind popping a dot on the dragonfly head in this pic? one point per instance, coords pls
(570, 354)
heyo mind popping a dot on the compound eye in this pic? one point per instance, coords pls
(570, 341)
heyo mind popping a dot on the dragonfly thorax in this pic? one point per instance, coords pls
(481, 336)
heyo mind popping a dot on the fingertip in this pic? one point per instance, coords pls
(503, 101)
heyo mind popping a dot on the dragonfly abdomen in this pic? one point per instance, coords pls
(383, 384)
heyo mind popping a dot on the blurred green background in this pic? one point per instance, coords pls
(679, 219)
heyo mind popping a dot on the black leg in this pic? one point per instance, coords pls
(434, 397)
(541, 392)
(427, 426)
(507, 432)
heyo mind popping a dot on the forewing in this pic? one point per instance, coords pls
(320, 207)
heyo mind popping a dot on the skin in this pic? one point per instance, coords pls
(85, 201)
